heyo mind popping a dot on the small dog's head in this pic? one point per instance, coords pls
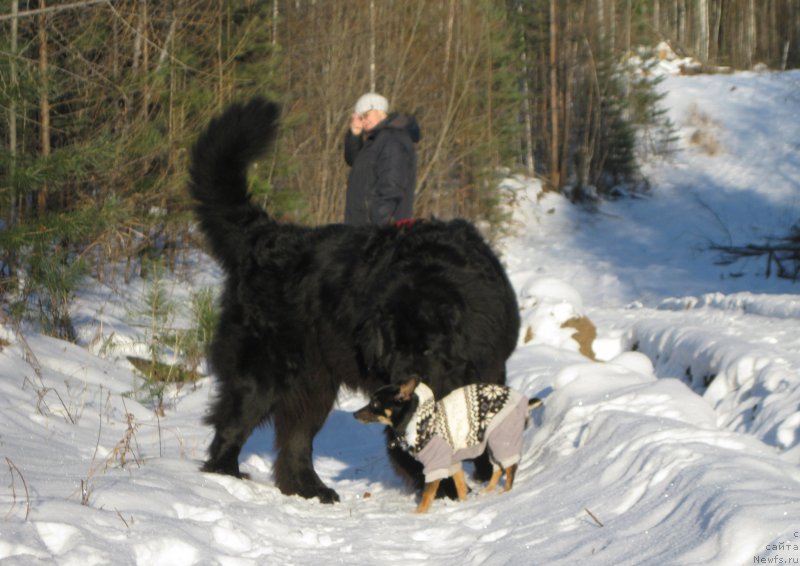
(389, 405)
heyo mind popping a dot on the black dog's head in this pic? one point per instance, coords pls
(392, 405)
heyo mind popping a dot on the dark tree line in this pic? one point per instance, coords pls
(101, 98)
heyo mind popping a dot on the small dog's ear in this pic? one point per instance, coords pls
(407, 389)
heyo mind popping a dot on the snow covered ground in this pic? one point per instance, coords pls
(680, 446)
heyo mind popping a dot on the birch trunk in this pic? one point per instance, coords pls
(702, 30)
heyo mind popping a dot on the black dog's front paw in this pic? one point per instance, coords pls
(223, 469)
(327, 495)
(323, 493)
(306, 484)
(318, 490)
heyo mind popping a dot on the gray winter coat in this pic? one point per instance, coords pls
(381, 183)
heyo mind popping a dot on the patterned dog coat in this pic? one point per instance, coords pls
(460, 426)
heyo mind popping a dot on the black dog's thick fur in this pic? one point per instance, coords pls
(306, 310)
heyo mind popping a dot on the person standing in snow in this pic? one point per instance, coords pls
(379, 148)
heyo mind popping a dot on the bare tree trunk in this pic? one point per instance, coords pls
(220, 58)
(449, 43)
(583, 168)
(489, 95)
(372, 84)
(601, 21)
(144, 15)
(702, 33)
(12, 113)
(526, 111)
(751, 32)
(774, 47)
(593, 121)
(714, 41)
(44, 104)
(555, 169)
(402, 64)
(275, 15)
(611, 24)
(167, 53)
(115, 48)
(785, 55)
(137, 44)
(566, 106)
(628, 17)
(657, 17)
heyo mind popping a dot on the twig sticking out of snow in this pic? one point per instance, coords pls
(13, 468)
(592, 515)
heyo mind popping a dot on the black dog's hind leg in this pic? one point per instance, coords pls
(234, 415)
(295, 429)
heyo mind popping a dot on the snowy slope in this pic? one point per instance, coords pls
(698, 320)
(632, 460)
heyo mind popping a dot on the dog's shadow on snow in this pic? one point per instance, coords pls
(345, 450)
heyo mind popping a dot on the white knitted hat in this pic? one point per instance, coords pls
(371, 101)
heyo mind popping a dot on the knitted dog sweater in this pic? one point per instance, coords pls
(461, 425)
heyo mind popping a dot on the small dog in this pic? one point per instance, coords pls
(442, 434)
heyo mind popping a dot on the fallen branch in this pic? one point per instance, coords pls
(122, 518)
(779, 254)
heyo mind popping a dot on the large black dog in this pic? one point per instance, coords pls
(306, 310)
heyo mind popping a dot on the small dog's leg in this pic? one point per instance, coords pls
(428, 494)
(461, 485)
(510, 473)
(493, 481)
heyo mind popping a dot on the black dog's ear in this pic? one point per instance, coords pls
(407, 389)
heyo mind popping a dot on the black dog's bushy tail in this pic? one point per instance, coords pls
(218, 173)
